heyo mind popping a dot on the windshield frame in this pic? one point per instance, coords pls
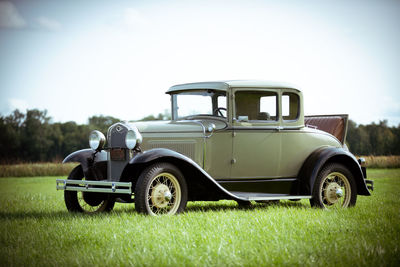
(214, 94)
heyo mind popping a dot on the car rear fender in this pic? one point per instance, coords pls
(201, 186)
(324, 155)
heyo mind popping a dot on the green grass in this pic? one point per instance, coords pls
(36, 230)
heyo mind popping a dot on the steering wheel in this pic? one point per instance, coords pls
(218, 111)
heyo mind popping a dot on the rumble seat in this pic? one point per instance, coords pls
(333, 124)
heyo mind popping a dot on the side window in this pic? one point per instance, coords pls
(220, 109)
(221, 101)
(290, 106)
(268, 106)
(256, 106)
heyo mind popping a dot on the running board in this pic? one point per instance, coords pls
(263, 196)
(94, 186)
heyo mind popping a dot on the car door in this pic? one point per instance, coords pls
(256, 142)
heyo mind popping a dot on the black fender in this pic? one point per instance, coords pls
(201, 185)
(317, 159)
(87, 158)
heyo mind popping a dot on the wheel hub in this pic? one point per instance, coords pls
(333, 192)
(161, 196)
(339, 192)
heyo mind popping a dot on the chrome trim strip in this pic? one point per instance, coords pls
(281, 197)
(264, 128)
(257, 179)
(251, 197)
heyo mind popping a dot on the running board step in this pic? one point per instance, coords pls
(263, 196)
(94, 186)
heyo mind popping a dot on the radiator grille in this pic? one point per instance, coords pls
(186, 148)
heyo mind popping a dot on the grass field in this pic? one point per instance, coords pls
(36, 230)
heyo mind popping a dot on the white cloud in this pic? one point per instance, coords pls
(16, 103)
(133, 18)
(48, 24)
(10, 17)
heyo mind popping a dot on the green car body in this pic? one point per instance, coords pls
(239, 140)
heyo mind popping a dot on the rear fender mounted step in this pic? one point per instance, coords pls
(94, 186)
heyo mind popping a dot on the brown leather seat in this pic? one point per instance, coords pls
(334, 125)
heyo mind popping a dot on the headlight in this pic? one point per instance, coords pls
(133, 138)
(97, 140)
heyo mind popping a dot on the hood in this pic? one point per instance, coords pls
(178, 126)
(168, 126)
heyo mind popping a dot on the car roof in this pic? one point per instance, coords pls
(226, 85)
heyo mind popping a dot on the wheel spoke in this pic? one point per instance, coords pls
(330, 188)
(163, 196)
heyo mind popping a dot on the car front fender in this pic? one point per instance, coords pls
(324, 155)
(201, 185)
(86, 157)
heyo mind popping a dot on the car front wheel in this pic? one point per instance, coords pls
(161, 189)
(89, 202)
(334, 188)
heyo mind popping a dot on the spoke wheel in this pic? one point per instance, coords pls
(89, 202)
(334, 188)
(161, 189)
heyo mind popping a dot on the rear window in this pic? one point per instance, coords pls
(290, 106)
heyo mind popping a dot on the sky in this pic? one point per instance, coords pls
(77, 59)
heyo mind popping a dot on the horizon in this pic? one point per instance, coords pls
(51, 121)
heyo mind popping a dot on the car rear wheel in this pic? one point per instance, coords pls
(161, 189)
(89, 202)
(334, 188)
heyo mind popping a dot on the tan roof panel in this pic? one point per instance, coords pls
(225, 85)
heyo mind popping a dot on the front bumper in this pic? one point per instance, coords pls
(94, 186)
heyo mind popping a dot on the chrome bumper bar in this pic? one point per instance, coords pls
(94, 186)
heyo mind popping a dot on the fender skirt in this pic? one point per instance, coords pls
(86, 157)
(163, 154)
(323, 155)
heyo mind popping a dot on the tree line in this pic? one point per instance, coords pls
(373, 139)
(32, 137)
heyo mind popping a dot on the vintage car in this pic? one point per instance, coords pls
(238, 140)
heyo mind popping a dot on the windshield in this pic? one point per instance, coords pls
(199, 103)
